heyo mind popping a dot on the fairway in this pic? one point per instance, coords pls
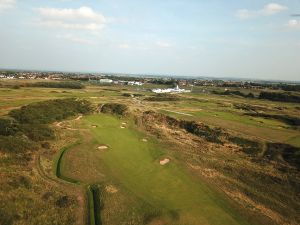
(134, 164)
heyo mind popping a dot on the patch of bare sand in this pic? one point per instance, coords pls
(79, 117)
(102, 147)
(94, 126)
(144, 140)
(122, 127)
(111, 189)
(59, 124)
(164, 161)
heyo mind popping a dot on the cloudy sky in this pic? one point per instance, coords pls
(245, 38)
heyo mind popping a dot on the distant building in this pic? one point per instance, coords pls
(171, 90)
(135, 83)
(105, 81)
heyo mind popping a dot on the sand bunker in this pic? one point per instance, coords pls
(164, 162)
(124, 123)
(102, 147)
(59, 124)
(111, 189)
(144, 140)
(122, 127)
(94, 126)
(78, 118)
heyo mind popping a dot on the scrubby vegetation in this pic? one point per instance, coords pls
(248, 107)
(280, 96)
(162, 97)
(273, 96)
(209, 133)
(114, 108)
(16, 144)
(287, 87)
(50, 111)
(290, 120)
(238, 93)
(8, 127)
(65, 84)
(283, 152)
(250, 147)
(164, 82)
(30, 124)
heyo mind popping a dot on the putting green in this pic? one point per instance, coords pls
(135, 164)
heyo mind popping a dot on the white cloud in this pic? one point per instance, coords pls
(267, 10)
(7, 4)
(77, 26)
(124, 46)
(73, 38)
(273, 8)
(244, 14)
(162, 44)
(294, 23)
(83, 18)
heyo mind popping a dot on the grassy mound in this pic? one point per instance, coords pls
(283, 152)
(209, 133)
(114, 108)
(30, 124)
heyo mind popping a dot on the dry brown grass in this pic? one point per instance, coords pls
(224, 166)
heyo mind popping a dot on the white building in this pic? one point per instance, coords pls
(135, 83)
(170, 90)
(105, 81)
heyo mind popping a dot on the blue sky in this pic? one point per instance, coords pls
(247, 39)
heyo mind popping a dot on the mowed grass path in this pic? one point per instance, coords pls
(135, 165)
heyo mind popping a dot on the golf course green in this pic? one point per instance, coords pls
(133, 160)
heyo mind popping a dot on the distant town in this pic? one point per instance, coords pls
(140, 80)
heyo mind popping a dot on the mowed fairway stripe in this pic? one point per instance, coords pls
(129, 160)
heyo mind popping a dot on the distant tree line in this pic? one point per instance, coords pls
(276, 86)
(69, 84)
(164, 82)
(29, 125)
(286, 87)
(279, 96)
(272, 96)
(238, 93)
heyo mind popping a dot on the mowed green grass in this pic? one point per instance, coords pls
(134, 164)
